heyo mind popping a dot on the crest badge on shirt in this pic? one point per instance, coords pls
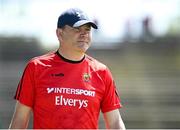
(86, 77)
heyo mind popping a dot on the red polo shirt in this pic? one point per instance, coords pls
(67, 94)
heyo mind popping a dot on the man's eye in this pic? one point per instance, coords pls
(76, 29)
(88, 29)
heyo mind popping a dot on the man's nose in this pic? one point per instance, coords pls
(84, 33)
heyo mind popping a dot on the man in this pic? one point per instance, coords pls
(67, 88)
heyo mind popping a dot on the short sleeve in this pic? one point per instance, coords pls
(111, 99)
(25, 89)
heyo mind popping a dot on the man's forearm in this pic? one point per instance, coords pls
(21, 117)
(113, 120)
(18, 124)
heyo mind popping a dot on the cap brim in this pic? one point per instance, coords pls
(82, 22)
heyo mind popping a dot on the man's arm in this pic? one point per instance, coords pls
(113, 120)
(21, 116)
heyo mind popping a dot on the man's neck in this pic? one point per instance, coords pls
(70, 55)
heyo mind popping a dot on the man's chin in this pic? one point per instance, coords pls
(83, 47)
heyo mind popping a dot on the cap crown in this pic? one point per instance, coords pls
(73, 16)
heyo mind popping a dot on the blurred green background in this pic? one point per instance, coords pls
(144, 62)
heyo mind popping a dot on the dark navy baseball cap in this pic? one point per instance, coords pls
(74, 17)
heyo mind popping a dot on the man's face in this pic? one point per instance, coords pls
(76, 39)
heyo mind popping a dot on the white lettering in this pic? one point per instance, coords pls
(57, 100)
(68, 91)
(71, 102)
(80, 103)
(85, 103)
(75, 101)
(49, 90)
(71, 91)
(65, 101)
(60, 100)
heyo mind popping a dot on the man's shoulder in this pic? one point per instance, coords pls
(43, 58)
(96, 63)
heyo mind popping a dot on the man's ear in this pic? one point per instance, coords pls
(58, 32)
